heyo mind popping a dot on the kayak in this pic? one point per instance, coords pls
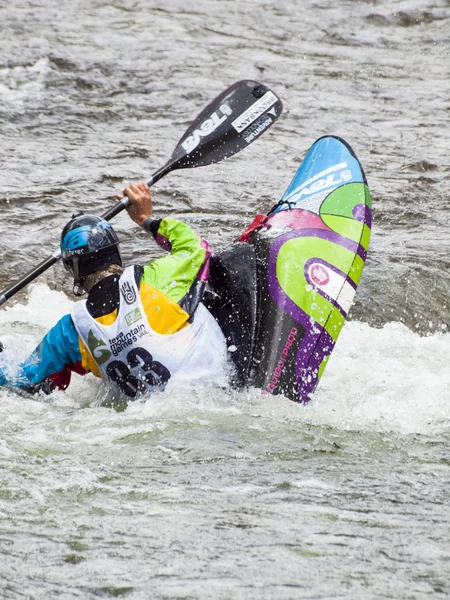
(283, 291)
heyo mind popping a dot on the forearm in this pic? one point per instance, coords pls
(50, 365)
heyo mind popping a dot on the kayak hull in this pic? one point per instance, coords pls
(309, 254)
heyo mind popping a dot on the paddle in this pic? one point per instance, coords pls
(232, 121)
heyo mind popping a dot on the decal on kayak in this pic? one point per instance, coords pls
(315, 244)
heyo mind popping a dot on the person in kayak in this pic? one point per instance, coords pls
(140, 325)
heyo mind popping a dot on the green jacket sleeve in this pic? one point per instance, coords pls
(187, 265)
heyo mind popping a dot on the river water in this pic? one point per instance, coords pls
(218, 495)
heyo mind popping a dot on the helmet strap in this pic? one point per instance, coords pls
(78, 288)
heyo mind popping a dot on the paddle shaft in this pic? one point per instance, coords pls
(54, 258)
(229, 123)
(125, 202)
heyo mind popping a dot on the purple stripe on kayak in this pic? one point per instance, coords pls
(314, 347)
(330, 236)
(363, 214)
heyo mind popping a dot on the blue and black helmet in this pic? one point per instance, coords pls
(88, 244)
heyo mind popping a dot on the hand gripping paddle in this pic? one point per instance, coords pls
(232, 121)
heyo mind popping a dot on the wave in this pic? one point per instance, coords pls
(387, 379)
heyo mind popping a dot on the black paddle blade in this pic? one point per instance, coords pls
(232, 121)
(228, 124)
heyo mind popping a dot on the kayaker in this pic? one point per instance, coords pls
(140, 325)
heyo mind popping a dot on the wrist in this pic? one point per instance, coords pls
(151, 225)
(140, 220)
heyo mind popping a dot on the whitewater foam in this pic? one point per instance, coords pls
(381, 380)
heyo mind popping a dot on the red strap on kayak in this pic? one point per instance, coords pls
(258, 222)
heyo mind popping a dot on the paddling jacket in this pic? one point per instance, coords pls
(168, 291)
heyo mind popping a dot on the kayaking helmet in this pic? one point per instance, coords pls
(88, 244)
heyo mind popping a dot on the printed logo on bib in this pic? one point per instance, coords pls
(123, 340)
(100, 355)
(139, 374)
(128, 292)
(319, 274)
(133, 316)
